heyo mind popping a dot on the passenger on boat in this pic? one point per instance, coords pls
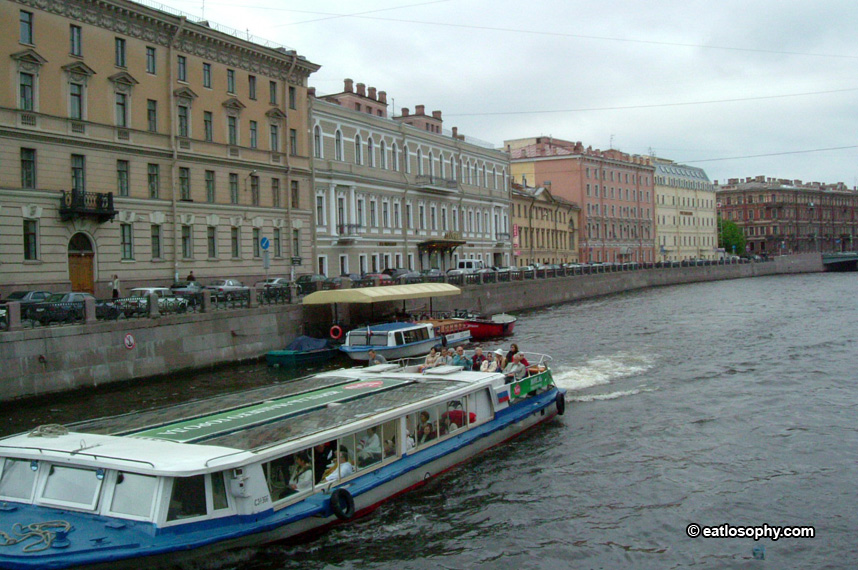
(341, 467)
(445, 359)
(431, 360)
(447, 425)
(459, 359)
(515, 370)
(513, 350)
(496, 364)
(369, 450)
(375, 358)
(302, 476)
(426, 434)
(478, 359)
(323, 455)
(390, 447)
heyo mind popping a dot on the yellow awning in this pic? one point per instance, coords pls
(378, 294)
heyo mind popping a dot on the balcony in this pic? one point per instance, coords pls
(435, 184)
(76, 204)
(348, 233)
(502, 238)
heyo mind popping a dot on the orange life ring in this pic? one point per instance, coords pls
(336, 332)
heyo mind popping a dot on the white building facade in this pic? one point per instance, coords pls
(685, 212)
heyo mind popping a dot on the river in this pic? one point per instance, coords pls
(730, 402)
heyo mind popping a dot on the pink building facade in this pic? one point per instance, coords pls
(615, 191)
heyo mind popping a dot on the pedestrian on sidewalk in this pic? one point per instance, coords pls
(115, 286)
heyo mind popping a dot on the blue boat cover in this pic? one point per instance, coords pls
(307, 343)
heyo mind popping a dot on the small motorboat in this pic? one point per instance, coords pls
(302, 350)
(483, 328)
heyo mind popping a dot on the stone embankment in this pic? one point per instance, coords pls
(42, 360)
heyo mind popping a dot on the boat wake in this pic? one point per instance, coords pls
(603, 370)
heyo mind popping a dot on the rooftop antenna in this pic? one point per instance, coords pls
(204, 10)
(611, 145)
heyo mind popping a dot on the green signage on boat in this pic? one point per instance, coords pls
(530, 384)
(205, 427)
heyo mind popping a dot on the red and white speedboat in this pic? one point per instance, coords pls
(483, 328)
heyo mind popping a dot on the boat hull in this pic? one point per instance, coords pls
(484, 329)
(420, 348)
(287, 358)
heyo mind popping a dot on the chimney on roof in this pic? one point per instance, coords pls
(349, 86)
(419, 109)
(361, 89)
(436, 115)
(382, 97)
(455, 132)
(311, 91)
(372, 94)
(405, 111)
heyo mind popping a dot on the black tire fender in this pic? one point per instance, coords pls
(342, 504)
(560, 401)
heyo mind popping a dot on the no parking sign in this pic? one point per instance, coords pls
(129, 341)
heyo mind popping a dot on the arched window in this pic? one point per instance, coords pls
(317, 141)
(358, 159)
(338, 146)
(370, 152)
(495, 178)
(420, 162)
(394, 158)
(382, 149)
(453, 170)
(406, 159)
(431, 165)
(441, 164)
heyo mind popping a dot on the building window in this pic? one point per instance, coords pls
(182, 73)
(75, 40)
(257, 249)
(208, 125)
(184, 118)
(210, 186)
(122, 110)
(119, 52)
(28, 168)
(394, 159)
(126, 244)
(26, 27)
(122, 177)
(156, 241)
(254, 190)
(234, 242)
(207, 75)
(295, 197)
(251, 87)
(151, 66)
(396, 220)
(278, 247)
(293, 142)
(292, 97)
(275, 138)
(78, 172)
(154, 178)
(211, 241)
(27, 96)
(187, 244)
(338, 146)
(232, 129)
(152, 115)
(317, 142)
(358, 158)
(76, 101)
(254, 134)
(230, 81)
(296, 243)
(320, 210)
(31, 240)
(382, 149)
(272, 92)
(370, 156)
(275, 192)
(233, 188)
(185, 183)
(385, 214)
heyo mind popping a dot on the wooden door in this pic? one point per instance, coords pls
(81, 272)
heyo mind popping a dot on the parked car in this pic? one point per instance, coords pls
(227, 289)
(271, 282)
(383, 278)
(138, 300)
(396, 272)
(25, 297)
(306, 283)
(64, 308)
(186, 288)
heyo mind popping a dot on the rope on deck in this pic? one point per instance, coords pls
(45, 532)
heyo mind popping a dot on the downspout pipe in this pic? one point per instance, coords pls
(174, 147)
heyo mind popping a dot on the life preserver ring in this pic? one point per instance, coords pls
(342, 504)
(336, 332)
(560, 401)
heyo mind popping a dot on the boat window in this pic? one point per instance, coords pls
(17, 478)
(369, 450)
(481, 405)
(73, 485)
(422, 333)
(357, 339)
(219, 499)
(378, 340)
(188, 499)
(400, 339)
(133, 494)
(343, 464)
(390, 449)
(410, 336)
(427, 426)
(456, 416)
(290, 475)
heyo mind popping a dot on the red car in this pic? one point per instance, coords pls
(384, 278)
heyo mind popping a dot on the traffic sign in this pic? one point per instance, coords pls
(264, 243)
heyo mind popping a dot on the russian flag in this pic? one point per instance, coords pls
(503, 396)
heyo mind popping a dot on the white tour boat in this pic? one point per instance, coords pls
(154, 487)
(398, 340)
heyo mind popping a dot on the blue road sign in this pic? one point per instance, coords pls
(264, 243)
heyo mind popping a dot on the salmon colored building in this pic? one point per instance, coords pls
(614, 189)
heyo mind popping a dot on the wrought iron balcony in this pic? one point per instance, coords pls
(76, 204)
(428, 182)
(502, 237)
(348, 233)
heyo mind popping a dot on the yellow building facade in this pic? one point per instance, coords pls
(545, 227)
(685, 210)
(143, 144)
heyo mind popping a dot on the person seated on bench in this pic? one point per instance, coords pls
(515, 370)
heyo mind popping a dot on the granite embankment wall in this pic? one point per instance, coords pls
(51, 359)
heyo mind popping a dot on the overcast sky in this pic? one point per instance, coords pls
(659, 76)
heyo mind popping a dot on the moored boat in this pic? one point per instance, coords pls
(303, 350)
(391, 340)
(151, 488)
(483, 328)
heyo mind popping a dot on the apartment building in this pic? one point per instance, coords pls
(145, 144)
(614, 190)
(686, 223)
(544, 227)
(400, 191)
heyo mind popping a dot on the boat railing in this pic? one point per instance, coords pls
(537, 358)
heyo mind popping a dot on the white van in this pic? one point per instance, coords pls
(470, 265)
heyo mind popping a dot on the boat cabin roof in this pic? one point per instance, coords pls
(390, 327)
(223, 430)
